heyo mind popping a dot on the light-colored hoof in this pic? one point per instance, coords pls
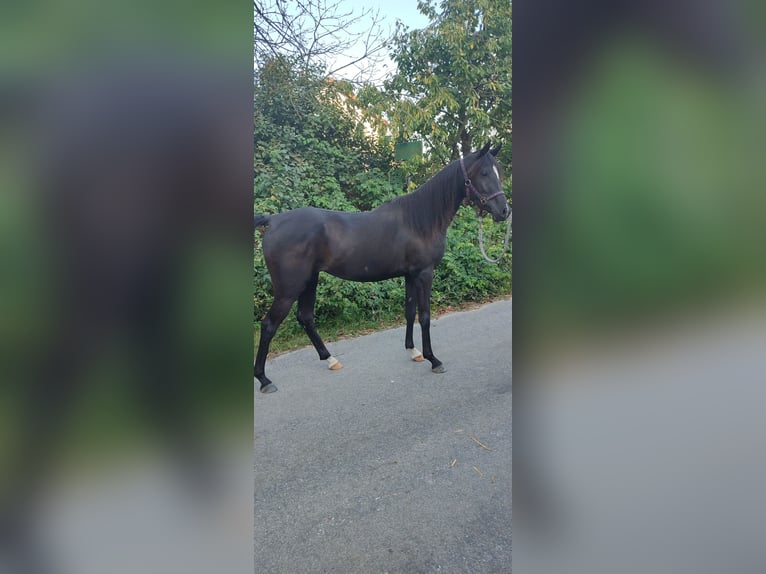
(417, 356)
(334, 364)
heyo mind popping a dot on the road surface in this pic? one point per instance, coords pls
(383, 466)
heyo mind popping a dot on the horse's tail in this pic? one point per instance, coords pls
(261, 220)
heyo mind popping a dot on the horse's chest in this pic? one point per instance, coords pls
(422, 254)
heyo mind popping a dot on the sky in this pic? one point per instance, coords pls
(391, 11)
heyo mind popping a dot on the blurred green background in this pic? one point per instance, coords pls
(42, 43)
(659, 195)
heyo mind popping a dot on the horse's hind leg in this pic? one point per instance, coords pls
(279, 310)
(306, 303)
(410, 308)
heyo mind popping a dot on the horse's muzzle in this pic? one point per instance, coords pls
(503, 215)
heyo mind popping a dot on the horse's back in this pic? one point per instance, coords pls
(310, 223)
(351, 245)
(290, 226)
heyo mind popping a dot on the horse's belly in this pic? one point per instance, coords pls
(365, 274)
(364, 269)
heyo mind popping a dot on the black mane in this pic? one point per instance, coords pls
(432, 206)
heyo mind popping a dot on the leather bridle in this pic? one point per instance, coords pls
(470, 188)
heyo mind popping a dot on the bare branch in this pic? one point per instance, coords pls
(320, 33)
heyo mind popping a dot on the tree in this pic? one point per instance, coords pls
(453, 82)
(314, 147)
(318, 33)
(312, 143)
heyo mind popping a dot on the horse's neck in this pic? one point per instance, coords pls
(454, 193)
(431, 208)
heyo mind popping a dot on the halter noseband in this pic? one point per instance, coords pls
(469, 188)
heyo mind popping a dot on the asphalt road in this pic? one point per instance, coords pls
(383, 466)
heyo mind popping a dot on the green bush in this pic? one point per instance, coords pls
(311, 151)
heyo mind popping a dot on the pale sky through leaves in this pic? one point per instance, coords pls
(390, 11)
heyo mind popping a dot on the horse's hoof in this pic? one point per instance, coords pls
(416, 355)
(270, 388)
(334, 364)
(439, 369)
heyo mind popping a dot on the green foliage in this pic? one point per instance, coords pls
(463, 274)
(323, 143)
(310, 144)
(453, 83)
(659, 205)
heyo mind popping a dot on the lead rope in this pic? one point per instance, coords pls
(505, 242)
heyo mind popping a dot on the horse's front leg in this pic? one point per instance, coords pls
(410, 308)
(423, 282)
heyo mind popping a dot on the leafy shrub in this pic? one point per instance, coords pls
(311, 151)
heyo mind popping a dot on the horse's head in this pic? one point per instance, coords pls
(484, 183)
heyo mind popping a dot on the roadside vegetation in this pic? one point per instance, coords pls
(332, 143)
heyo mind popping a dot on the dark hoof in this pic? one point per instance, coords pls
(270, 388)
(439, 369)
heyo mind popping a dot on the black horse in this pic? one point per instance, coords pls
(405, 236)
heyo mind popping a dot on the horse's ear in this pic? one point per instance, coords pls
(496, 149)
(485, 149)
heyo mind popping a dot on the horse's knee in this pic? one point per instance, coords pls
(268, 328)
(305, 319)
(424, 319)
